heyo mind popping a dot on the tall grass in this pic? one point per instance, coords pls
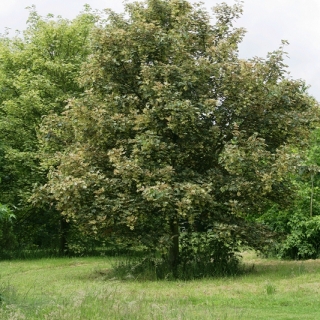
(153, 268)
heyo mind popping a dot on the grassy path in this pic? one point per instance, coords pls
(74, 289)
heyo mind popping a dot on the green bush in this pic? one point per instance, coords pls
(303, 242)
(297, 234)
(7, 237)
(208, 254)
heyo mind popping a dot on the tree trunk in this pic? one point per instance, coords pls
(174, 249)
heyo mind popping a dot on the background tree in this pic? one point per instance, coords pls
(38, 73)
(299, 225)
(176, 132)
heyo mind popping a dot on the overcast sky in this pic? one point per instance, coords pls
(267, 22)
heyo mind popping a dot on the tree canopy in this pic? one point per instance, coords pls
(175, 132)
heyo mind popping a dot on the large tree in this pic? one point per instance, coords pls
(38, 73)
(175, 130)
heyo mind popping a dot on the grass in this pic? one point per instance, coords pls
(76, 288)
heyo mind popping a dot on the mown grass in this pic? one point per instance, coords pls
(78, 289)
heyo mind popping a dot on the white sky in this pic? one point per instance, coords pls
(267, 22)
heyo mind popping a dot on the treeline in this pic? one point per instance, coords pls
(146, 129)
(39, 72)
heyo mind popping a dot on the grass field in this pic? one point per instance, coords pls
(76, 288)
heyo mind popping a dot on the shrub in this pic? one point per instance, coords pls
(7, 237)
(202, 254)
(304, 240)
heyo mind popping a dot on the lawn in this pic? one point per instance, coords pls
(76, 288)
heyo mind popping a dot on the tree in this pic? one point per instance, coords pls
(38, 73)
(175, 130)
(298, 225)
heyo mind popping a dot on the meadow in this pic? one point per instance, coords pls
(77, 288)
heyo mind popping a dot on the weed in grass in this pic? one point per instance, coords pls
(270, 289)
(302, 269)
(11, 313)
(7, 293)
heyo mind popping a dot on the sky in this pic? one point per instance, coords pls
(267, 23)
